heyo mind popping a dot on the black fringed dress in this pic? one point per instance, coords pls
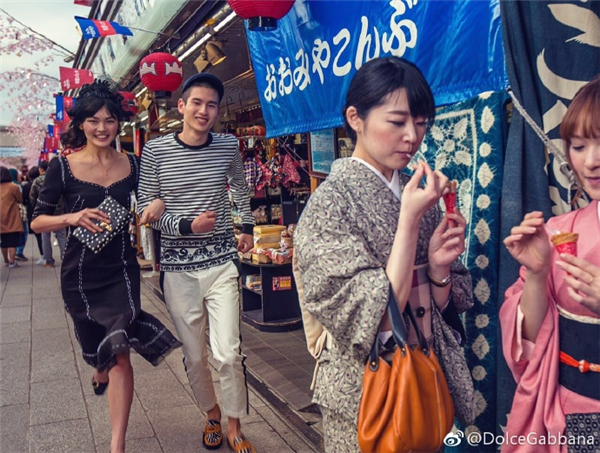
(102, 291)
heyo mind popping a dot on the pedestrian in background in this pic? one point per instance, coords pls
(60, 233)
(19, 256)
(11, 224)
(32, 174)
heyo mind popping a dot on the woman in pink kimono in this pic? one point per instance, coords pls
(551, 316)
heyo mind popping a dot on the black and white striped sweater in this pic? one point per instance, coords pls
(191, 180)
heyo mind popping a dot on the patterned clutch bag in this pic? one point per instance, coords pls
(118, 215)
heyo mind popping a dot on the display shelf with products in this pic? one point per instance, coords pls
(275, 307)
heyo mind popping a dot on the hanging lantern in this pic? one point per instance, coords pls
(129, 102)
(262, 15)
(161, 73)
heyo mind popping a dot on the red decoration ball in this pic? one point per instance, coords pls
(261, 14)
(161, 73)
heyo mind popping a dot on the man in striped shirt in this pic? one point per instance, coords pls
(190, 171)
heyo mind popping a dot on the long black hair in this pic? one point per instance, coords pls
(92, 98)
(376, 79)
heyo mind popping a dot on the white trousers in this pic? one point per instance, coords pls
(212, 295)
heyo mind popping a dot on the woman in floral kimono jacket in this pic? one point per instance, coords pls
(551, 316)
(365, 229)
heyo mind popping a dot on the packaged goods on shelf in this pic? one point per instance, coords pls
(267, 234)
(253, 280)
(266, 245)
(281, 256)
(268, 229)
(260, 258)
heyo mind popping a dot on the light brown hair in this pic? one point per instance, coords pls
(582, 118)
(583, 114)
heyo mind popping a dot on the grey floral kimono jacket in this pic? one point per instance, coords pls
(343, 242)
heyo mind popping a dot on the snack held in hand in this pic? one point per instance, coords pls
(565, 242)
(450, 197)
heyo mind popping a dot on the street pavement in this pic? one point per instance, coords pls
(47, 403)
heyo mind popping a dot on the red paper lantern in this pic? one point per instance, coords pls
(161, 73)
(129, 102)
(262, 15)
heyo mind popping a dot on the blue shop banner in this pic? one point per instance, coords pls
(303, 69)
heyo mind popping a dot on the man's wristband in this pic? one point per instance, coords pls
(247, 228)
(439, 283)
(185, 226)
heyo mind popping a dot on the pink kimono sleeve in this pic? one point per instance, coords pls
(536, 407)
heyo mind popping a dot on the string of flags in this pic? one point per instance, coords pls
(71, 78)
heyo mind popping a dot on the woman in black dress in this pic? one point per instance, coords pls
(102, 290)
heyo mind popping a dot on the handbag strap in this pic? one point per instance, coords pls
(421, 338)
(399, 331)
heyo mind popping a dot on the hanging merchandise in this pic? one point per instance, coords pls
(274, 165)
(266, 174)
(291, 175)
(262, 15)
(161, 73)
(129, 102)
(252, 172)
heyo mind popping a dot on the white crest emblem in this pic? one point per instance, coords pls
(148, 69)
(175, 67)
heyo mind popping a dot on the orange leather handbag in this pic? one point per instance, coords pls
(405, 406)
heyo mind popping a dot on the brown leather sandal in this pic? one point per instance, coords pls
(241, 445)
(213, 435)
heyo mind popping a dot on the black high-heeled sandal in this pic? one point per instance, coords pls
(99, 387)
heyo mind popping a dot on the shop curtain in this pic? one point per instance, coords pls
(467, 144)
(552, 48)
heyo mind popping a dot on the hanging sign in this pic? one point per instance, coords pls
(303, 69)
(63, 105)
(322, 151)
(71, 78)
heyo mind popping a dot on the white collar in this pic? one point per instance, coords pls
(393, 185)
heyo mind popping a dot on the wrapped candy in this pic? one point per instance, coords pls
(280, 256)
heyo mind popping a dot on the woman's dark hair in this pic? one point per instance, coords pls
(92, 98)
(375, 80)
(33, 173)
(5, 175)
